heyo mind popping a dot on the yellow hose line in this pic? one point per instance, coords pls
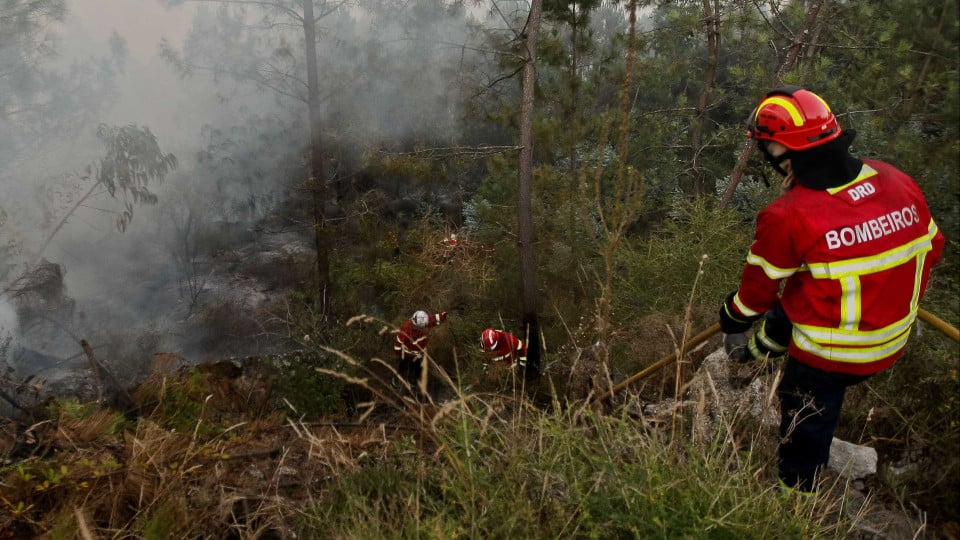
(694, 341)
(939, 324)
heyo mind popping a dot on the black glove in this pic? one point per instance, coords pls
(773, 337)
(730, 321)
(743, 369)
(735, 345)
(745, 350)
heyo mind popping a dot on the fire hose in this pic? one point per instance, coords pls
(948, 330)
(922, 314)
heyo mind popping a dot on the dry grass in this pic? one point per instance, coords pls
(241, 479)
(450, 463)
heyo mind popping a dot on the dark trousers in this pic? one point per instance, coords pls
(810, 403)
(410, 369)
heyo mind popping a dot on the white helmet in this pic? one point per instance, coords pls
(420, 319)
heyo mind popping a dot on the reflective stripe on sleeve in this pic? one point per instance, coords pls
(742, 308)
(772, 272)
(917, 281)
(770, 344)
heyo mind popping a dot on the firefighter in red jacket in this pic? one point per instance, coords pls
(851, 242)
(410, 344)
(504, 346)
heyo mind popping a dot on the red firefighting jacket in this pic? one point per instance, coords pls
(410, 341)
(853, 261)
(509, 348)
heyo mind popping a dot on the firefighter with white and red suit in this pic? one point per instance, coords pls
(502, 346)
(836, 271)
(410, 344)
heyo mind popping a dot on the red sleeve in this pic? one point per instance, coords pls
(514, 342)
(931, 259)
(506, 346)
(405, 333)
(772, 258)
(937, 240)
(937, 251)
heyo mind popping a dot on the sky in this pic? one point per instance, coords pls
(147, 85)
(142, 22)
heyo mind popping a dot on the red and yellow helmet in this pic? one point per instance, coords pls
(794, 117)
(489, 339)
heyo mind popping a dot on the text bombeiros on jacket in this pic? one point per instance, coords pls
(874, 228)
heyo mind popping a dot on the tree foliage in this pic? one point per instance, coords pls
(48, 102)
(43, 98)
(132, 159)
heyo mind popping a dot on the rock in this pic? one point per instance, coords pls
(723, 402)
(253, 471)
(852, 460)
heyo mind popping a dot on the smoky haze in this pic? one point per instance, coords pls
(147, 83)
(240, 148)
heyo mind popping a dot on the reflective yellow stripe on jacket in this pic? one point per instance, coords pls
(400, 346)
(846, 342)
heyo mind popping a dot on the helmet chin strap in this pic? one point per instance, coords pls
(775, 161)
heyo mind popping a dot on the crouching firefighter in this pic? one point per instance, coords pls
(851, 241)
(502, 346)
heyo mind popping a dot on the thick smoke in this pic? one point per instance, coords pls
(9, 326)
(240, 149)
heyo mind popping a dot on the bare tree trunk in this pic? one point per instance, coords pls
(793, 55)
(528, 287)
(813, 46)
(800, 39)
(574, 86)
(711, 21)
(318, 181)
(106, 380)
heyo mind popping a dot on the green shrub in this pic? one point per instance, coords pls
(312, 394)
(659, 272)
(105, 422)
(179, 402)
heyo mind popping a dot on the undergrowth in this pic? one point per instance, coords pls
(499, 469)
(219, 452)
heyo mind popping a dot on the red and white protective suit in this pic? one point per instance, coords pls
(507, 347)
(410, 341)
(855, 260)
